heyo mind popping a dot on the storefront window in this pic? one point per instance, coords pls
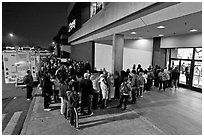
(174, 53)
(198, 53)
(185, 72)
(197, 75)
(185, 53)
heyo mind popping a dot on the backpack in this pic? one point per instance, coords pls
(124, 88)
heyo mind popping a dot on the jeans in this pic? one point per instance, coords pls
(124, 98)
(86, 101)
(74, 120)
(95, 100)
(175, 83)
(46, 101)
(162, 84)
(134, 95)
(141, 89)
(29, 91)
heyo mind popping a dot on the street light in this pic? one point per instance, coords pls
(11, 36)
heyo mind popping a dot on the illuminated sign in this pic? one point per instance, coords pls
(72, 25)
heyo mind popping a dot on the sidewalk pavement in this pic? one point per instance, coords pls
(109, 121)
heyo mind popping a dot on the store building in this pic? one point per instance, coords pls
(116, 35)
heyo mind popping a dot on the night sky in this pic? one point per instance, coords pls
(33, 22)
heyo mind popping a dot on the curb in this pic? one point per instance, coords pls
(28, 117)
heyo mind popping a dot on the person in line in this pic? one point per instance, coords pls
(162, 79)
(95, 81)
(141, 84)
(145, 76)
(28, 81)
(46, 90)
(125, 90)
(187, 74)
(117, 86)
(175, 76)
(62, 94)
(74, 104)
(139, 69)
(112, 88)
(86, 88)
(135, 86)
(150, 77)
(56, 87)
(104, 90)
(167, 74)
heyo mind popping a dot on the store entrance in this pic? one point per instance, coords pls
(184, 67)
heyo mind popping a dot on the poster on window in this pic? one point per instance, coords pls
(22, 65)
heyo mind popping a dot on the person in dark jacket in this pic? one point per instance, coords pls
(175, 77)
(86, 88)
(46, 90)
(117, 86)
(28, 80)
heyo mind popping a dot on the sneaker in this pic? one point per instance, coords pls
(47, 109)
(28, 99)
(91, 114)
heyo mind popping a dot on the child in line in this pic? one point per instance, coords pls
(72, 105)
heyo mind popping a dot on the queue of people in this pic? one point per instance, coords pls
(80, 88)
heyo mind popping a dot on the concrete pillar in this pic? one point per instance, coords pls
(159, 55)
(117, 52)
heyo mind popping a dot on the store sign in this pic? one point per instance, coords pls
(72, 25)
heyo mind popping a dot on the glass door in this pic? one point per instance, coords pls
(174, 63)
(185, 68)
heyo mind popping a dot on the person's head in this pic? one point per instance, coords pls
(125, 79)
(140, 73)
(86, 75)
(134, 71)
(28, 72)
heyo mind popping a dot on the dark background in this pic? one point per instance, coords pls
(33, 23)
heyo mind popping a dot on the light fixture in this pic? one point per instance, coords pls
(161, 27)
(193, 30)
(160, 35)
(133, 33)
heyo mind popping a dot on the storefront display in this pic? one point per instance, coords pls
(189, 62)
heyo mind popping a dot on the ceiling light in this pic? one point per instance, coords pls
(161, 27)
(133, 33)
(193, 30)
(161, 35)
